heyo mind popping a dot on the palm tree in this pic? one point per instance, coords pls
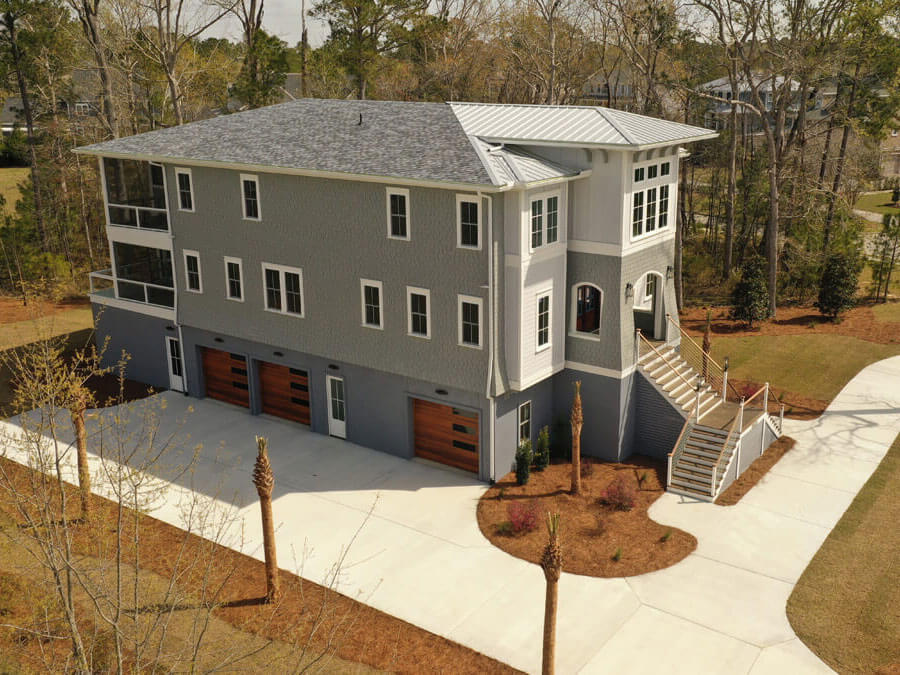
(551, 561)
(264, 480)
(577, 419)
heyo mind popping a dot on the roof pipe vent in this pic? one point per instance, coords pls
(359, 124)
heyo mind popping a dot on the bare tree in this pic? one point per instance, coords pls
(89, 16)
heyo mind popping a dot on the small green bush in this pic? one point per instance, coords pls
(505, 528)
(617, 556)
(542, 453)
(666, 536)
(524, 457)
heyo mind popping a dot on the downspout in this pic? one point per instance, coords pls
(492, 404)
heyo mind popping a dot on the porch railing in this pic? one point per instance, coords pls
(704, 364)
(678, 450)
(733, 440)
(645, 344)
(135, 291)
(142, 217)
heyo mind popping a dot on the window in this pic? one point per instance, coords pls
(419, 310)
(649, 288)
(587, 300)
(663, 206)
(552, 219)
(467, 225)
(185, 190)
(371, 292)
(470, 321)
(544, 220)
(234, 279)
(525, 421)
(175, 365)
(650, 222)
(250, 197)
(543, 321)
(398, 213)
(637, 219)
(537, 223)
(283, 289)
(664, 169)
(192, 271)
(82, 108)
(639, 175)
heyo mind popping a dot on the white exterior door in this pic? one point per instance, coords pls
(337, 406)
(176, 365)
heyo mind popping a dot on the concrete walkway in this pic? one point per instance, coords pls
(421, 557)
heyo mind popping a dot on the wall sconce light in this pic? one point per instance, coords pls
(218, 339)
(629, 290)
(440, 392)
(670, 272)
(332, 366)
(277, 353)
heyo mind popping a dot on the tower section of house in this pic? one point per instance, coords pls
(424, 279)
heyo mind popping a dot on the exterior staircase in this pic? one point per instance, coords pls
(701, 460)
(679, 381)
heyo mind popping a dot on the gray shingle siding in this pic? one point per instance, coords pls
(658, 423)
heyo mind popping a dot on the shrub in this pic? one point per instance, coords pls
(642, 478)
(523, 515)
(750, 297)
(617, 556)
(524, 455)
(619, 494)
(895, 194)
(837, 288)
(504, 528)
(542, 453)
(666, 536)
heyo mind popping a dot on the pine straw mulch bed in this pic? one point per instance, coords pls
(591, 532)
(307, 611)
(754, 473)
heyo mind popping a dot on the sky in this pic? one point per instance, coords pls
(281, 18)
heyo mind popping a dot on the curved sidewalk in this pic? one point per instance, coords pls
(421, 557)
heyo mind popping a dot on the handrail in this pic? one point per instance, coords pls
(684, 333)
(678, 448)
(136, 206)
(755, 394)
(710, 364)
(656, 351)
(714, 477)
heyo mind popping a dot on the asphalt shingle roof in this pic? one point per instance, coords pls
(421, 141)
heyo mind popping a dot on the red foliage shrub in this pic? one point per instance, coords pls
(619, 494)
(523, 516)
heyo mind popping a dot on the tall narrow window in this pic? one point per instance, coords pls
(250, 194)
(525, 421)
(398, 213)
(543, 321)
(639, 175)
(234, 281)
(552, 219)
(185, 190)
(371, 292)
(651, 171)
(283, 289)
(192, 271)
(663, 206)
(158, 186)
(650, 222)
(467, 213)
(537, 223)
(419, 312)
(637, 220)
(469, 321)
(664, 169)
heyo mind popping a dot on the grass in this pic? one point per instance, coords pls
(846, 606)
(30, 330)
(876, 202)
(816, 365)
(888, 311)
(10, 177)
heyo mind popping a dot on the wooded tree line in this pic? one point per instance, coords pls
(812, 87)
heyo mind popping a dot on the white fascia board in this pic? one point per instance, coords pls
(601, 146)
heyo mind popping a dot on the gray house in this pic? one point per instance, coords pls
(423, 279)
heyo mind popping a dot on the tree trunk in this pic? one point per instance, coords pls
(264, 481)
(839, 170)
(304, 43)
(728, 260)
(84, 474)
(577, 419)
(551, 561)
(87, 14)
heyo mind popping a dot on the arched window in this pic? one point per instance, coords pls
(587, 300)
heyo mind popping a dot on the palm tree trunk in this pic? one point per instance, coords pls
(551, 562)
(264, 480)
(577, 419)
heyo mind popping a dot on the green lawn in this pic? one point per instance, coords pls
(817, 366)
(888, 311)
(60, 323)
(10, 177)
(877, 202)
(846, 606)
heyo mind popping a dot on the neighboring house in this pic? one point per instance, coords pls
(11, 117)
(614, 90)
(425, 279)
(890, 154)
(717, 113)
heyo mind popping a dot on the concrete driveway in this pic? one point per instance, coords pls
(420, 556)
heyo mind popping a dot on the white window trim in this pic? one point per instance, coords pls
(519, 421)
(560, 222)
(405, 193)
(255, 179)
(281, 269)
(537, 297)
(409, 293)
(573, 323)
(187, 172)
(474, 199)
(187, 285)
(471, 299)
(240, 265)
(645, 185)
(362, 300)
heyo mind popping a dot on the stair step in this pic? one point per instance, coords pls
(698, 487)
(683, 387)
(701, 475)
(705, 398)
(690, 492)
(670, 374)
(711, 430)
(695, 443)
(696, 460)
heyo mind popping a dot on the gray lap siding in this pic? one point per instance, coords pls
(140, 336)
(378, 404)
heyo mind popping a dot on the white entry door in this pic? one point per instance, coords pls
(176, 366)
(337, 406)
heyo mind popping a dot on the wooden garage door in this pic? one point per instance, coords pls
(285, 391)
(226, 376)
(446, 434)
